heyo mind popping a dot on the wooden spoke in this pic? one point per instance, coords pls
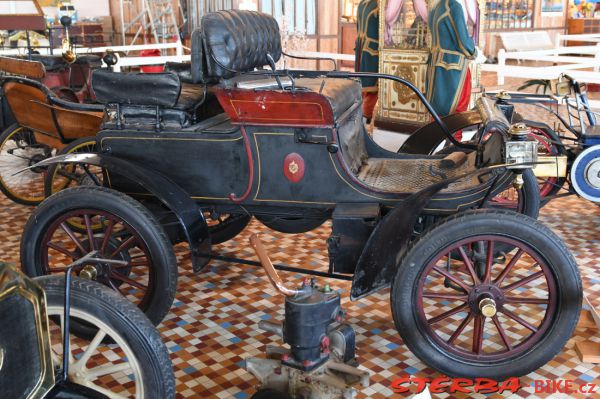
(478, 334)
(63, 250)
(120, 277)
(502, 333)
(532, 301)
(522, 282)
(488, 262)
(448, 313)
(508, 267)
(107, 235)
(88, 227)
(519, 320)
(460, 328)
(124, 245)
(452, 278)
(73, 238)
(443, 295)
(469, 265)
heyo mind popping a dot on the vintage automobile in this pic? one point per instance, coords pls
(121, 357)
(193, 155)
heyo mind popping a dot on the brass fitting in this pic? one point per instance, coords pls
(487, 306)
(519, 131)
(518, 181)
(503, 96)
(88, 272)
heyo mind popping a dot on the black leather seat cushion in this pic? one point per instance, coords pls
(154, 89)
(239, 41)
(341, 93)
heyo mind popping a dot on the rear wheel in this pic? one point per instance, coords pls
(479, 315)
(19, 149)
(77, 221)
(125, 357)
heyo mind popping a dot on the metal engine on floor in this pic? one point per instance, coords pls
(321, 360)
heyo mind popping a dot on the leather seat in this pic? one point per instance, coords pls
(341, 93)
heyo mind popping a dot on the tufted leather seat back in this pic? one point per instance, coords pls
(239, 40)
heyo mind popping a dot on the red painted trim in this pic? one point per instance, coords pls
(276, 108)
(244, 196)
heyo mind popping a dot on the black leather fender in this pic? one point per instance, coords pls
(378, 262)
(427, 138)
(170, 194)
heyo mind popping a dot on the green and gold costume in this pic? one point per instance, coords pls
(451, 47)
(367, 42)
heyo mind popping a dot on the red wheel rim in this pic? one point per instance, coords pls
(451, 291)
(64, 242)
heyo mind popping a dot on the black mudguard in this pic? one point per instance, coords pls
(427, 138)
(378, 262)
(170, 194)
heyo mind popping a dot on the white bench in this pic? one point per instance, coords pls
(525, 41)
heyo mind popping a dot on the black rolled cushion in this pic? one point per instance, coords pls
(155, 89)
(239, 41)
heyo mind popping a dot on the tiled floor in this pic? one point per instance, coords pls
(212, 327)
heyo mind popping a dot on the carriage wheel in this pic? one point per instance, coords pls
(61, 176)
(479, 314)
(129, 233)
(124, 357)
(525, 200)
(18, 150)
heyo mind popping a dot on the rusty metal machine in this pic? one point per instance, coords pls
(321, 361)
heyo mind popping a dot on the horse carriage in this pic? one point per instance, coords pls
(193, 154)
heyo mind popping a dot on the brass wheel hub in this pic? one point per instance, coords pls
(487, 307)
(88, 272)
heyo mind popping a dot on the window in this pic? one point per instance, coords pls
(293, 15)
(509, 14)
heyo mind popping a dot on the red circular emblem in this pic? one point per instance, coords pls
(293, 167)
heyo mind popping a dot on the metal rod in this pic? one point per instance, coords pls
(285, 268)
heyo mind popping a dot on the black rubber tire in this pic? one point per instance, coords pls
(73, 148)
(291, 225)
(128, 321)
(4, 137)
(530, 194)
(228, 229)
(116, 203)
(475, 223)
(270, 394)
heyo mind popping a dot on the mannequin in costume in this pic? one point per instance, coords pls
(448, 77)
(367, 52)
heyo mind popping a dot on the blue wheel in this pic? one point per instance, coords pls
(585, 174)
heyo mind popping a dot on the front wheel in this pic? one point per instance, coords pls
(77, 221)
(126, 357)
(525, 200)
(467, 312)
